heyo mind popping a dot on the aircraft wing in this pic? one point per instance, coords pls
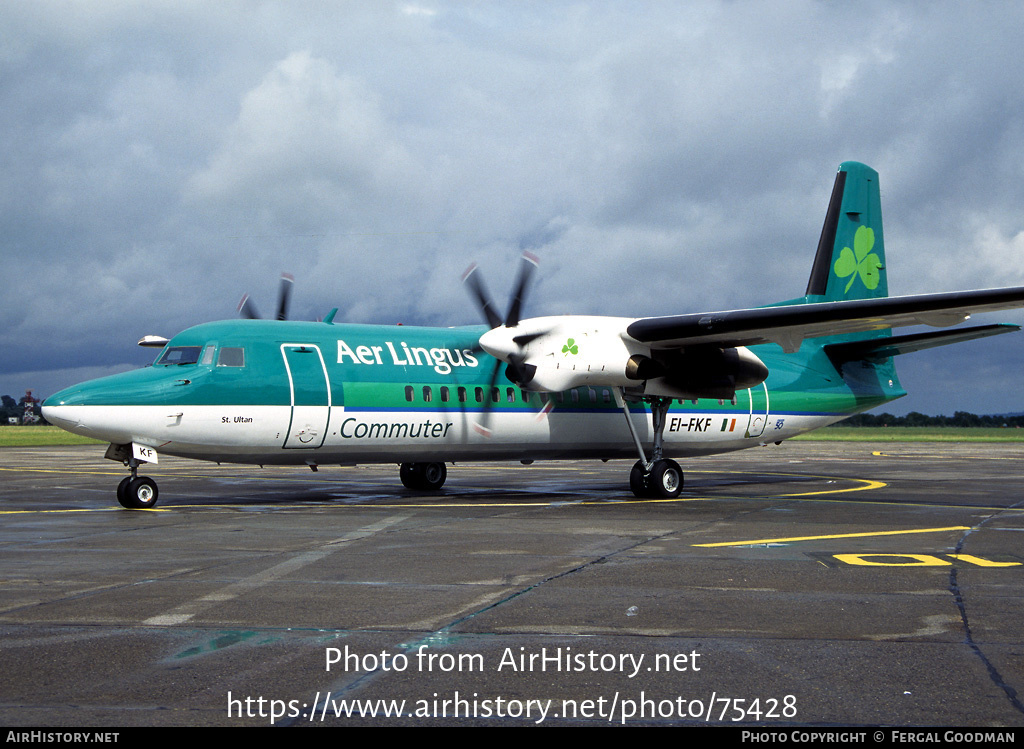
(788, 326)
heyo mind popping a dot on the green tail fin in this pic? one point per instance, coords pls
(850, 262)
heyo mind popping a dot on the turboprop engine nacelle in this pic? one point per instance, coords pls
(705, 372)
(556, 354)
(552, 354)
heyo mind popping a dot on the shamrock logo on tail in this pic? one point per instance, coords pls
(570, 347)
(860, 260)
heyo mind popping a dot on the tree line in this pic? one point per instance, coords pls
(916, 419)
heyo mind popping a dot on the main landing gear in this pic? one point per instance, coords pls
(658, 477)
(137, 492)
(423, 476)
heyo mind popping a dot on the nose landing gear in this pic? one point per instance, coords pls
(137, 492)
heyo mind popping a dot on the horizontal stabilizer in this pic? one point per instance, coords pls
(883, 348)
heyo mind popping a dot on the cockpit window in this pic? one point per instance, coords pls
(208, 354)
(231, 357)
(180, 355)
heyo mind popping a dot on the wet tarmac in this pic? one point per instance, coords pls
(808, 584)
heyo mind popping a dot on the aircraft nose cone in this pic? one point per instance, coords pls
(63, 397)
(59, 409)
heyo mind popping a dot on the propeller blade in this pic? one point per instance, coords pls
(287, 281)
(472, 279)
(247, 309)
(526, 268)
(528, 338)
(482, 426)
(517, 371)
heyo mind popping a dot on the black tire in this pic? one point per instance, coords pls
(141, 493)
(638, 481)
(666, 479)
(432, 476)
(122, 493)
(423, 477)
(410, 475)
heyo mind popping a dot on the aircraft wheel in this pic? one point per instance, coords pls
(638, 481)
(122, 492)
(410, 473)
(141, 493)
(423, 476)
(433, 476)
(666, 479)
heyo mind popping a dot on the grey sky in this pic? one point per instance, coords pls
(159, 159)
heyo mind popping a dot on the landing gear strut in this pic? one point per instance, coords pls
(137, 492)
(423, 476)
(658, 477)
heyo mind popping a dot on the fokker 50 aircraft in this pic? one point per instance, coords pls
(305, 393)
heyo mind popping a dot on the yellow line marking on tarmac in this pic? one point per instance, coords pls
(880, 454)
(83, 509)
(838, 535)
(427, 504)
(183, 472)
(868, 484)
(57, 470)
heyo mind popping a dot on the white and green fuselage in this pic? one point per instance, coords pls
(272, 392)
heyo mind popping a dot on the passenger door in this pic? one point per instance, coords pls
(310, 395)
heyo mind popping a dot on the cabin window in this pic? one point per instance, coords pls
(495, 394)
(479, 395)
(180, 355)
(445, 394)
(510, 395)
(462, 395)
(408, 393)
(428, 394)
(606, 395)
(575, 396)
(231, 357)
(560, 397)
(526, 395)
